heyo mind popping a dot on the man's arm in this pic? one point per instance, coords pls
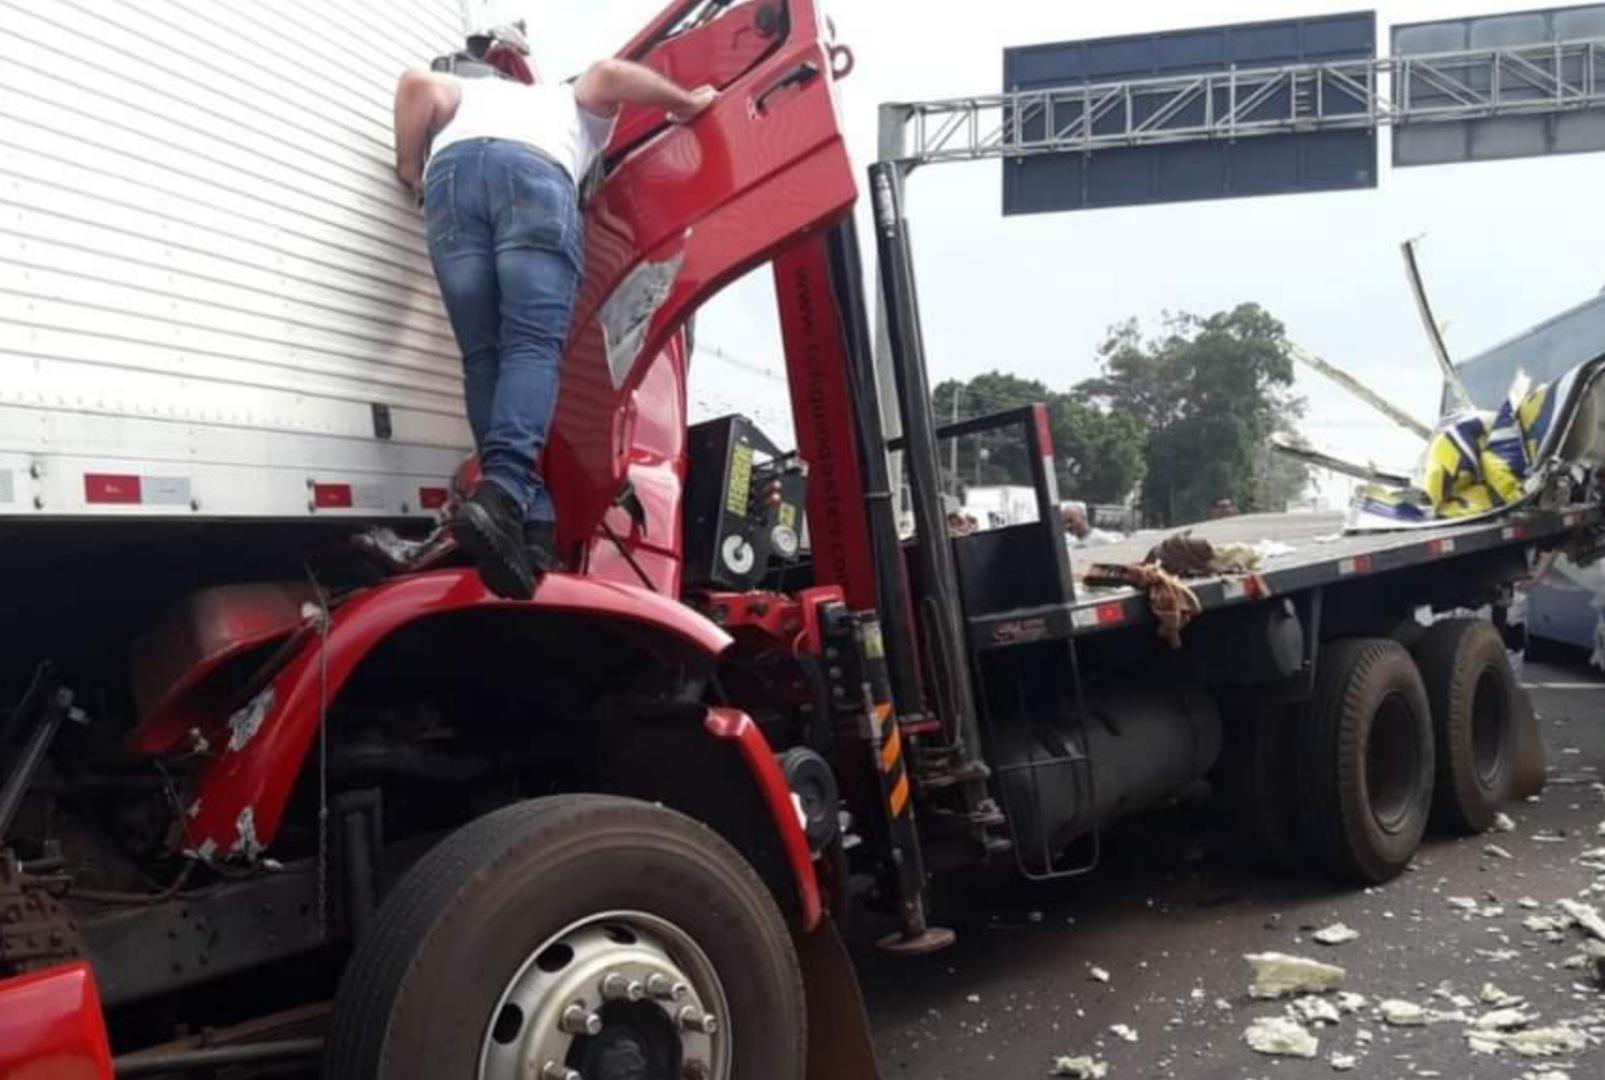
(612, 83)
(425, 102)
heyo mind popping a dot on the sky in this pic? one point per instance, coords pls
(1504, 244)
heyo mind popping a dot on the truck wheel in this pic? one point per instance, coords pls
(1259, 796)
(1365, 760)
(1472, 692)
(574, 936)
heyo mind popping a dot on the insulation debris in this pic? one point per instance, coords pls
(1497, 852)
(1492, 995)
(1534, 1042)
(1585, 915)
(1336, 934)
(1505, 1019)
(1350, 1002)
(1402, 1013)
(1503, 823)
(1546, 924)
(1278, 974)
(1464, 903)
(1341, 1062)
(1314, 1010)
(1282, 1037)
(1081, 1068)
(1123, 1031)
(1098, 974)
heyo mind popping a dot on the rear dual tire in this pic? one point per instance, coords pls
(1475, 702)
(1364, 761)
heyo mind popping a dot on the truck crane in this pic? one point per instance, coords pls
(285, 787)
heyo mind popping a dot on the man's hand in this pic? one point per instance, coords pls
(608, 84)
(699, 100)
(411, 177)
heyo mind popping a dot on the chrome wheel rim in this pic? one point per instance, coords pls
(621, 995)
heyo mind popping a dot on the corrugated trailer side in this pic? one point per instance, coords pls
(214, 298)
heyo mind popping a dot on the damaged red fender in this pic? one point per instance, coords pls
(737, 727)
(241, 793)
(51, 1027)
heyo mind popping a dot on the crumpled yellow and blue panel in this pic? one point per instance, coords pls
(1477, 461)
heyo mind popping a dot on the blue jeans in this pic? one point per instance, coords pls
(506, 241)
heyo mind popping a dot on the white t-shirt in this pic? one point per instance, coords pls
(545, 116)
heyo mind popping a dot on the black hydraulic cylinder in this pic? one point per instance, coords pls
(891, 577)
(937, 601)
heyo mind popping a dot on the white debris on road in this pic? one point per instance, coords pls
(1081, 1068)
(1278, 974)
(1547, 924)
(1341, 1062)
(1503, 823)
(1584, 915)
(1124, 1031)
(1282, 1037)
(1503, 1019)
(1492, 995)
(1464, 903)
(1336, 934)
(1497, 852)
(1314, 1010)
(1534, 1042)
(1098, 974)
(1402, 1013)
(1350, 1002)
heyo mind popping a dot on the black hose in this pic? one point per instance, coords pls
(147, 1062)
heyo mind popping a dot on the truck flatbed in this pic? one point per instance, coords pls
(1322, 554)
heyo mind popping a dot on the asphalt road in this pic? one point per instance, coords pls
(1169, 916)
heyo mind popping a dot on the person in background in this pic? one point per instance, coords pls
(1078, 532)
(497, 162)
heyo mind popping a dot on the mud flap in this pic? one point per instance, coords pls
(839, 1044)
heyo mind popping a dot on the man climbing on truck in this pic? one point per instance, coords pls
(505, 156)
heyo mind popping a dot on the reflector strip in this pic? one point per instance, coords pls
(890, 751)
(112, 489)
(1444, 546)
(898, 800)
(1109, 614)
(1359, 564)
(331, 496)
(433, 498)
(1512, 532)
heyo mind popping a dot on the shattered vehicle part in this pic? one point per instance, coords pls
(1534, 1042)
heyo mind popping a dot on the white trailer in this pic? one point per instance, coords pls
(215, 300)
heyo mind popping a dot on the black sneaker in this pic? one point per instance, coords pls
(540, 540)
(487, 527)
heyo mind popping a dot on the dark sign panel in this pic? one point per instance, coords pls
(1194, 168)
(1541, 75)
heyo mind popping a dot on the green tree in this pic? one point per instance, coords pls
(1098, 452)
(1207, 391)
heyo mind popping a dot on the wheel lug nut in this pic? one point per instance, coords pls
(664, 988)
(692, 1019)
(578, 1020)
(617, 987)
(554, 1071)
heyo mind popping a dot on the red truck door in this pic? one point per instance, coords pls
(684, 210)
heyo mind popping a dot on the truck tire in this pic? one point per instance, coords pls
(1472, 693)
(1256, 771)
(1365, 764)
(648, 921)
